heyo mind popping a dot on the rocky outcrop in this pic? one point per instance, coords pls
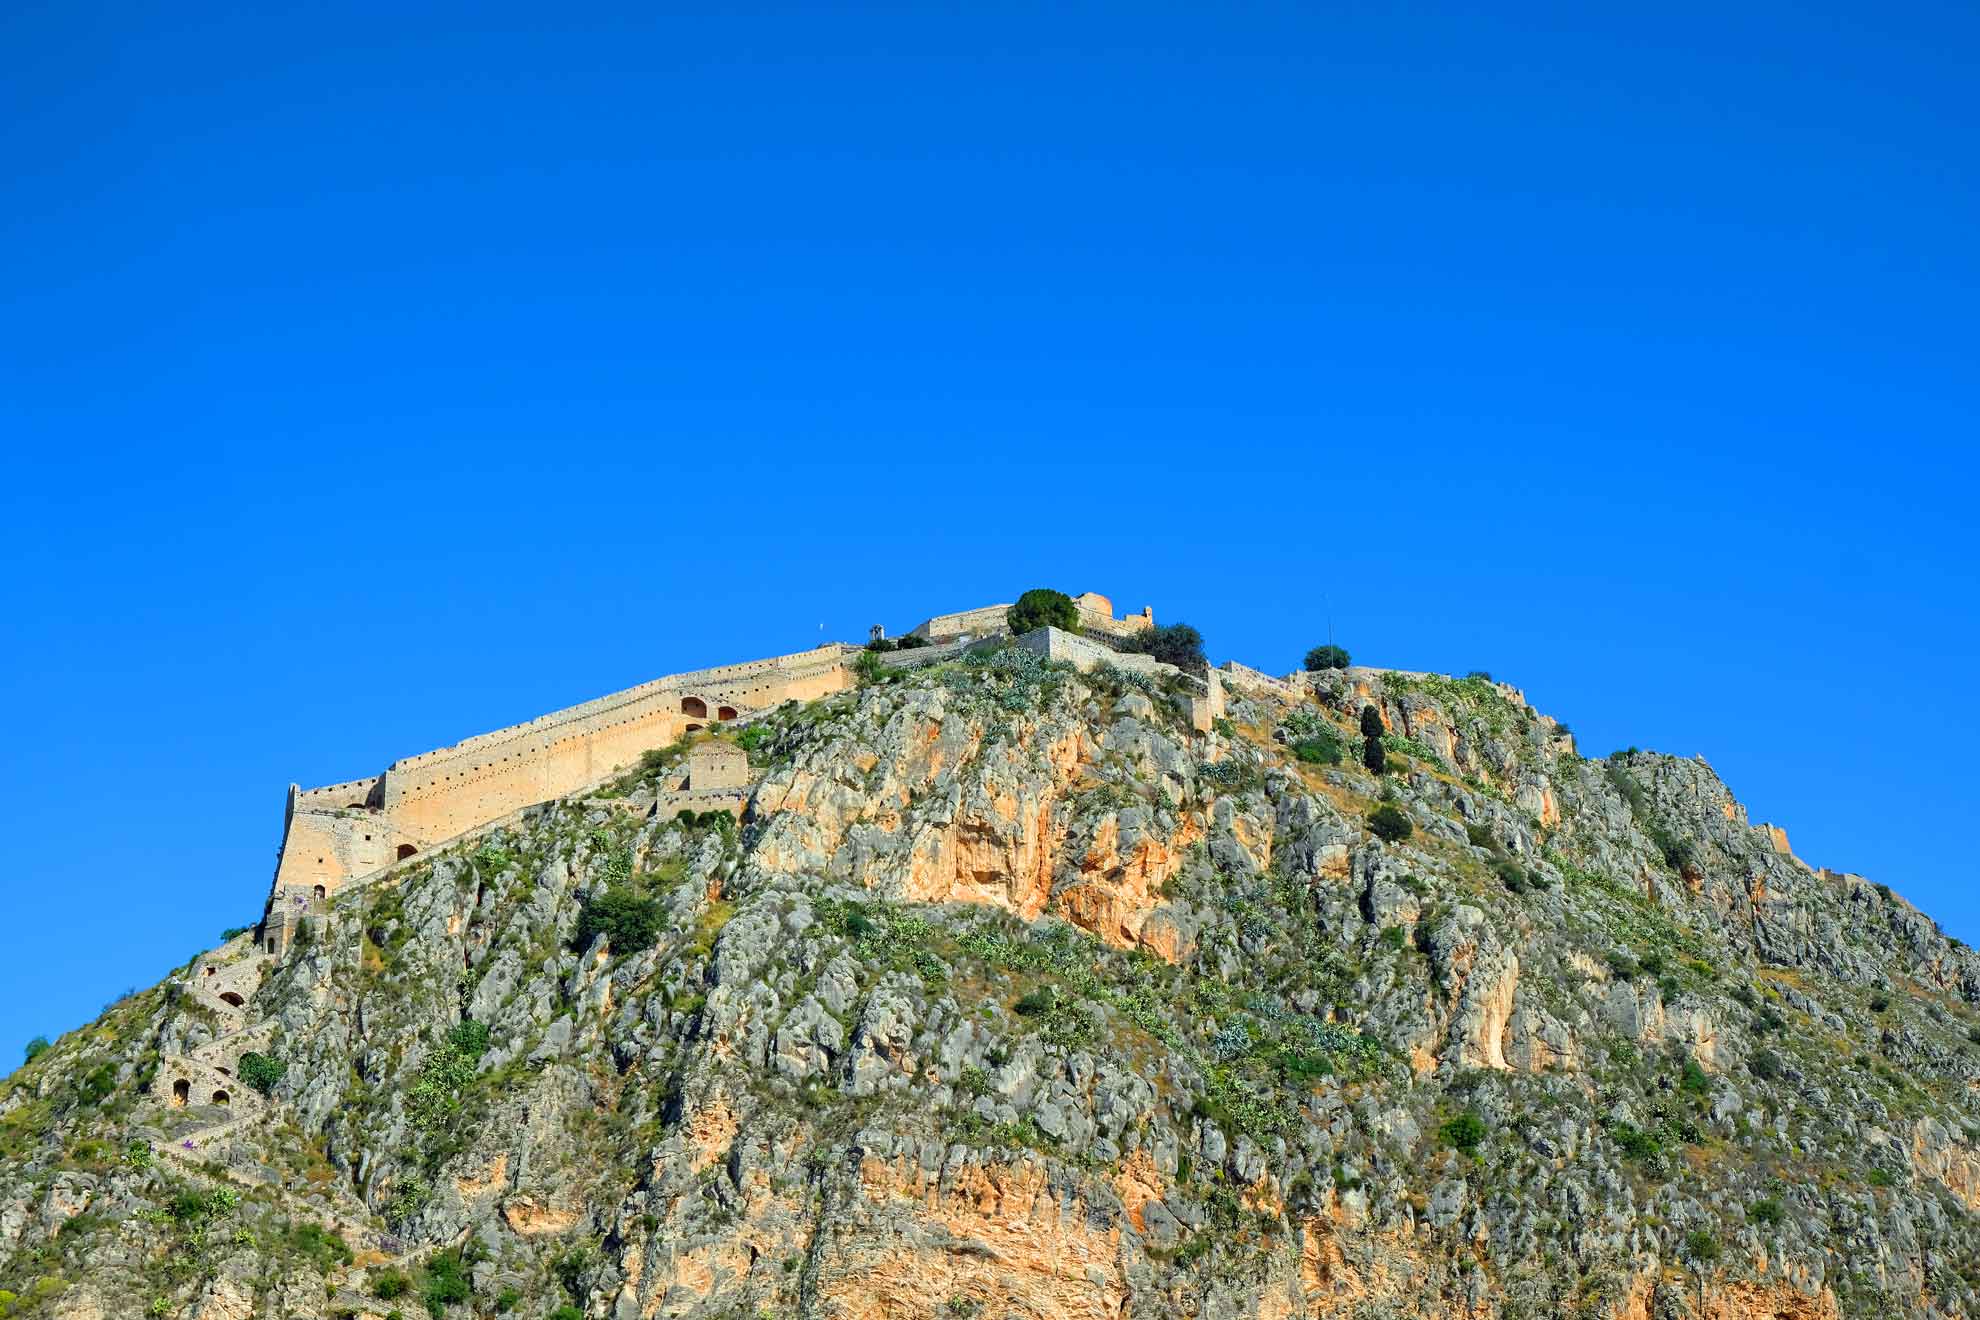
(1015, 991)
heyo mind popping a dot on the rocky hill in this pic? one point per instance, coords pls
(1013, 995)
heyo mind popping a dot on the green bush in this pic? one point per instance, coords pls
(1768, 1213)
(869, 670)
(1038, 1001)
(1701, 1246)
(1465, 1131)
(629, 922)
(1389, 825)
(1679, 854)
(1326, 657)
(322, 1248)
(1766, 1065)
(262, 1071)
(97, 1084)
(36, 1048)
(1322, 748)
(1480, 837)
(1175, 644)
(469, 1038)
(1635, 1142)
(389, 1285)
(446, 1285)
(1694, 1078)
(1511, 874)
(567, 1312)
(1041, 607)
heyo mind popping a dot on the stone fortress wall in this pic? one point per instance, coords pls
(339, 833)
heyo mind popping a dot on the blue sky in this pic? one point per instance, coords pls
(375, 376)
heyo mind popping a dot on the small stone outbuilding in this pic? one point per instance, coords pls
(716, 764)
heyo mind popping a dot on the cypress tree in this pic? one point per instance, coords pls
(1371, 722)
(1372, 755)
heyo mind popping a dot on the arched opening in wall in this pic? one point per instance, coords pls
(692, 728)
(694, 706)
(319, 891)
(181, 1092)
(209, 971)
(222, 1099)
(231, 997)
(406, 850)
(271, 946)
(725, 712)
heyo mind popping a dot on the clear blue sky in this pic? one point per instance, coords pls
(373, 376)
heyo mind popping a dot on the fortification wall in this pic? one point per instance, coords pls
(1082, 654)
(341, 831)
(976, 622)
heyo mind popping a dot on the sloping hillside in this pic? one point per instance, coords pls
(1013, 995)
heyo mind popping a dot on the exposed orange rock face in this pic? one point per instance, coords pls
(1003, 847)
(489, 1178)
(530, 1218)
(1725, 1301)
(1137, 1183)
(1953, 1164)
(996, 1235)
(1120, 890)
(709, 1132)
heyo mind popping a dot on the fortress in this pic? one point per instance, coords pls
(338, 834)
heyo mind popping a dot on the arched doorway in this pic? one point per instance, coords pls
(406, 850)
(181, 1092)
(222, 1099)
(320, 892)
(725, 712)
(271, 946)
(694, 706)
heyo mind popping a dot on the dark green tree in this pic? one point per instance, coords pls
(1389, 824)
(630, 922)
(36, 1048)
(1371, 722)
(1373, 756)
(1175, 644)
(262, 1071)
(1042, 607)
(1326, 657)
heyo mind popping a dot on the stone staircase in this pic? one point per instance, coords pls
(224, 983)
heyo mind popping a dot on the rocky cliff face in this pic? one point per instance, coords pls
(1013, 996)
